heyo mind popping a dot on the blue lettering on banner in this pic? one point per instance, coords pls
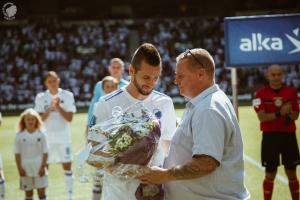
(259, 40)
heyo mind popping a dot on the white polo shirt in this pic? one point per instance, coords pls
(159, 104)
(31, 147)
(209, 126)
(58, 129)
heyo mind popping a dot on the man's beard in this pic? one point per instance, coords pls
(139, 88)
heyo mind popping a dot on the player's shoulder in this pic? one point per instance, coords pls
(65, 92)
(161, 96)
(113, 95)
(289, 88)
(98, 84)
(41, 94)
(20, 134)
(262, 90)
(42, 132)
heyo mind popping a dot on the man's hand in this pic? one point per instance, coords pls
(22, 172)
(55, 102)
(156, 175)
(42, 170)
(286, 109)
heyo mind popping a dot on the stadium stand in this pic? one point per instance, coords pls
(80, 50)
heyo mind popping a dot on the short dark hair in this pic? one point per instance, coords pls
(146, 52)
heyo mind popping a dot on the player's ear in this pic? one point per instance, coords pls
(130, 70)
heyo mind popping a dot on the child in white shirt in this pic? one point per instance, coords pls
(31, 153)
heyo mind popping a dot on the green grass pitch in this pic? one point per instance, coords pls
(83, 191)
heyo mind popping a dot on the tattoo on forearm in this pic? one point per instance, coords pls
(197, 167)
(186, 172)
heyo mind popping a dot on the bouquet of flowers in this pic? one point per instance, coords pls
(124, 143)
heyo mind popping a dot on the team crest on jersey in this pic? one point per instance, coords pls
(157, 113)
(61, 101)
(278, 101)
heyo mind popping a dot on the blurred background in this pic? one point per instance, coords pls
(78, 38)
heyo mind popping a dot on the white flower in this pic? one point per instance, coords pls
(124, 141)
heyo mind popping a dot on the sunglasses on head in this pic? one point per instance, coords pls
(193, 55)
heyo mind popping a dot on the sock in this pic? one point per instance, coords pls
(97, 191)
(69, 183)
(28, 198)
(294, 188)
(268, 188)
(2, 189)
(43, 198)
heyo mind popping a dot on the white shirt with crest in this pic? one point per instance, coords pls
(161, 105)
(58, 129)
(31, 147)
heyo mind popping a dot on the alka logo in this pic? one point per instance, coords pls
(259, 43)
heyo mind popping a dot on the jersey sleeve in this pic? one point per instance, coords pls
(257, 102)
(208, 132)
(71, 106)
(45, 143)
(39, 104)
(16, 147)
(294, 99)
(101, 111)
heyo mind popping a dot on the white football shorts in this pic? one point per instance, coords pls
(60, 153)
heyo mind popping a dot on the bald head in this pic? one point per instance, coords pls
(275, 76)
(275, 67)
(199, 58)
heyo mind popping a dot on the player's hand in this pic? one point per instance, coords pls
(50, 109)
(155, 176)
(42, 171)
(55, 102)
(22, 172)
(286, 109)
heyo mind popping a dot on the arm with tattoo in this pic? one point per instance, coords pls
(199, 166)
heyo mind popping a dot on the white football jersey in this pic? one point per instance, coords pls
(31, 147)
(162, 107)
(58, 129)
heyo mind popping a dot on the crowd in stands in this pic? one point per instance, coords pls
(79, 53)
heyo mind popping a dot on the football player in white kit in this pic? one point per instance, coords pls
(2, 179)
(56, 107)
(31, 153)
(144, 70)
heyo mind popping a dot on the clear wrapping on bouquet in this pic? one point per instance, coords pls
(129, 138)
(123, 144)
